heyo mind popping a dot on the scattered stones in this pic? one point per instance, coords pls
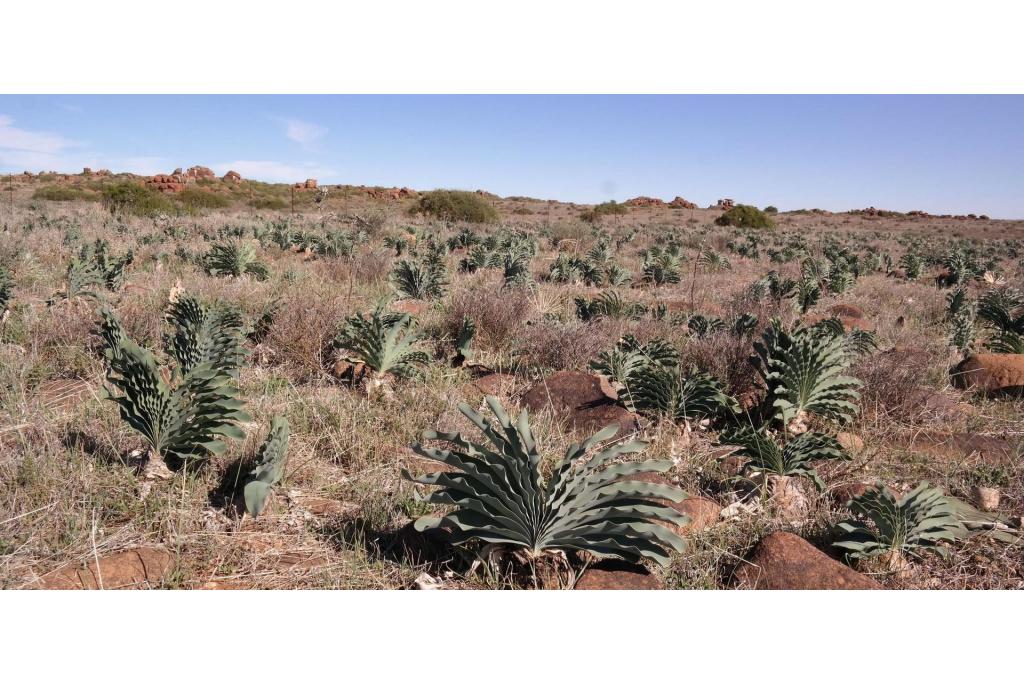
(589, 401)
(991, 374)
(784, 561)
(617, 575)
(137, 568)
(986, 499)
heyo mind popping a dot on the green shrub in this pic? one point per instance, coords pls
(745, 216)
(132, 198)
(195, 199)
(456, 205)
(771, 209)
(269, 203)
(610, 208)
(62, 194)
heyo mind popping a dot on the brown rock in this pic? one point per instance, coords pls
(784, 561)
(963, 447)
(703, 513)
(850, 310)
(986, 499)
(200, 173)
(589, 400)
(991, 374)
(617, 575)
(232, 177)
(644, 202)
(410, 307)
(137, 568)
(725, 203)
(851, 442)
(497, 384)
(680, 203)
(844, 493)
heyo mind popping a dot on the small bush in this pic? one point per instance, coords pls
(456, 205)
(771, 209)
(195, 199)
(132, 198)
(269, 203)
(610, 208)
(62, 194)
(745, 216)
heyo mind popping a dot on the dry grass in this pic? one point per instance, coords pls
(70, 489)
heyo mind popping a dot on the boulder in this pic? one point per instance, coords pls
(725, 203)
(137, 568)
(617, 575)
(589, 400)
(991, 374)
(784, 561)
(199, 173)
(966, 448)
(232, 177)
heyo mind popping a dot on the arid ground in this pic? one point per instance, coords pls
(80, 508)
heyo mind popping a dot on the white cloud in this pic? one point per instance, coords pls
(274, 172)
(303, 132)
(38, 142)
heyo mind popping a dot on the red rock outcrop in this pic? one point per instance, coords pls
(200, 173)
(643, 201)
(232, 177)
(681, 203)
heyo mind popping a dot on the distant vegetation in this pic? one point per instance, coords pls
(195, 199)
(745, 216)
(456, 205)
(610, 208)
(132, 198)
(63, 194)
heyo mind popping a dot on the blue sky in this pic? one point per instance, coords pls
(943, 154)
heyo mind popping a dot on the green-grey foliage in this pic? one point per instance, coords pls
(1003, 312)
(269, 470)
(590, 505)
(385, 342)
(628, 357)
(803, 372)
(204, 335)
(609, 304)
(661, 266)
(182, 416)
(669, 392)
(235, 258)
(6, 291)
(421, 279)
(917, 522)
(764, 454)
